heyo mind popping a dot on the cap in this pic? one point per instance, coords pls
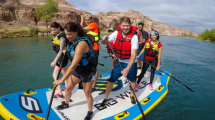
(111, 29)
(88, 15)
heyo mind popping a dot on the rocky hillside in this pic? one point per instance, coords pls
(19, 13)
(111, 19)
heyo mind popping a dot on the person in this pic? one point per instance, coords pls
(59, 43)
(82, 67)
(153, 50)
(125, 48)
(92, 29)
(142, 37)
(110, 31)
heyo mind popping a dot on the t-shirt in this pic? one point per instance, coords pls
(145, 36)
(150, 51)
(94, 28)
(134, 43)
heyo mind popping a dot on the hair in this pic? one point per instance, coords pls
(56, 25)
(141, 23)
(76, 27)
(125, 19)
(158, 36)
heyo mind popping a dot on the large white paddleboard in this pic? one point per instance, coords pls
(34, 105)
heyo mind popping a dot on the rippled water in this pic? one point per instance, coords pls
(25, 63)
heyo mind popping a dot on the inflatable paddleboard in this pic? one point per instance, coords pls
(33, 104)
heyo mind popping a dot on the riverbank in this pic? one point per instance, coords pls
(29, 31)
(196, 38)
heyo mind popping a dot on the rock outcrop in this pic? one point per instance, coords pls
(111, 19)
(19, 13)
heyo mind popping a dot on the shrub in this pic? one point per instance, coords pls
(33, 30)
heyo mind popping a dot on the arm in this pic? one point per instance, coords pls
(159, 58)
(82, 21)
(132, 58)
(110, 38)
(130, 63)
(62, 45)
(80, 49)
(141, 52)
(86, 29)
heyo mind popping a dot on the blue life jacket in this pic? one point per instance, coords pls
(86, 58)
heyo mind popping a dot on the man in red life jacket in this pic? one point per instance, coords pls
(125, 48)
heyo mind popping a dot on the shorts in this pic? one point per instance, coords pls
(96, 57)
(65, 60)
(85, 76)
(141, 56)
(116, 72)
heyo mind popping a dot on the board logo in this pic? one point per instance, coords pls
(29, 104)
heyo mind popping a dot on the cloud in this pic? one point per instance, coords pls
(194, 15)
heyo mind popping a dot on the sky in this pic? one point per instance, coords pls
(193, 15)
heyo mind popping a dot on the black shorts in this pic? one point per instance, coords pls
(84, 76)
(96, 57)
(65, 60)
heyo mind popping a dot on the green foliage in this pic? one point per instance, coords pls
(208, 35)
(47, 11)
(33, 30)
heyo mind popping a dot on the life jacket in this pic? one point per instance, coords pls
(56, 42)
(154, 49)
(87, 57)
(122, 45)
(108, 47)
(96, 39)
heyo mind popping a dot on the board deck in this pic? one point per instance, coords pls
(23, 106)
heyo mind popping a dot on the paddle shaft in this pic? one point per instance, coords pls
(132, 90)
(171, 77)
(50, 102)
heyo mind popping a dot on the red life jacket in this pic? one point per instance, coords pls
(108, 47)
(122, 45)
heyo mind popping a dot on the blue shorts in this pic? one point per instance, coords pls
(142, 56)
(116, 72)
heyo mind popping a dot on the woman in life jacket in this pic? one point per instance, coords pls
(82, 67)
(153, 50)
(59, 43)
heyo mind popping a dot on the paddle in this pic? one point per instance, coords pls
(50, 103)
(171, 77)
(132, 91)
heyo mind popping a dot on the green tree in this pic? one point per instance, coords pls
(208, 35)
(47, 11)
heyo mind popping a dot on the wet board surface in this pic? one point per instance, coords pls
(30, 106)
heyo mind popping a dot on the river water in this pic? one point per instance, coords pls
(25, 63)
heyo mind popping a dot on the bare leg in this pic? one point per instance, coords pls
(96, 76)
(63, 71)
(72, 81)
(108, 89)
(54, 75)
(133, 84)
(140, 62)
(87, 90)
